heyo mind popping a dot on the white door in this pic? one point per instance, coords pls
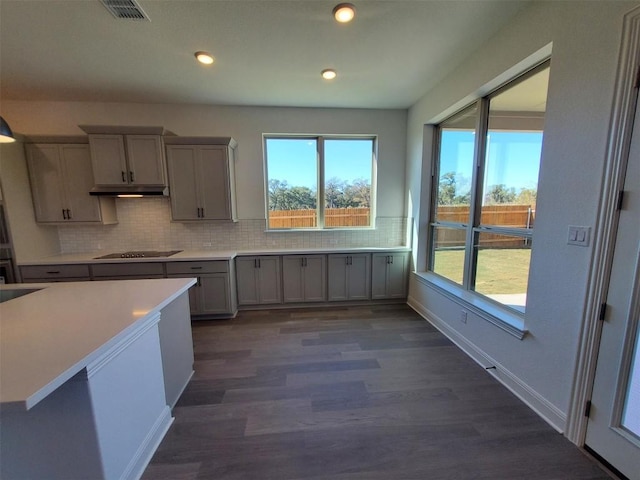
(613, 429)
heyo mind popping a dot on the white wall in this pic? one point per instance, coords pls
(585, 39)
(245, 124)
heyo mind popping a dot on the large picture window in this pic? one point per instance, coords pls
(319, 182)
(484, 191)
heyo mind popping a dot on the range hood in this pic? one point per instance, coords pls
(130, 191)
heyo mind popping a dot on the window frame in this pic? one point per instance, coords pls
(320, 175)
(504, 316)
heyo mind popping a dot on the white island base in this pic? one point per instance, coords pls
(107, 420)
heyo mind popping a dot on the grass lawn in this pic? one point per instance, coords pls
(500, 270)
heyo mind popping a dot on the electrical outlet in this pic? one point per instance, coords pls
(463, 316)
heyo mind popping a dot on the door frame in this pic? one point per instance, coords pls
(617, 154)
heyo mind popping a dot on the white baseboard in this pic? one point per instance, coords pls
(143, 456)
(545, 409)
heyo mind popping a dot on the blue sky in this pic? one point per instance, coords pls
(294, 160)
(513, 157)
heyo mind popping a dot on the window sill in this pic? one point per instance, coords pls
(507, 320)
(324, 230)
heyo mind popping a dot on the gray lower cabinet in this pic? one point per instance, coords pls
(304, 278)
(389, 273)
(349, 277)
(213, 294)
(54, 273)
(258, 280)
(127, 271)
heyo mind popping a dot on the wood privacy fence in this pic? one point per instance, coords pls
(515, 216)
(333, 217)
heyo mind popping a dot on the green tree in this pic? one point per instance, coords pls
(500, 194)
(447, 189)
(527, 196)
(334, 193)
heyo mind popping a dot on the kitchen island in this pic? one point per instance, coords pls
(88, 373)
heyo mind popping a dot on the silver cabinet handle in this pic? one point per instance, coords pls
(64, 214)
(196, 268)
(53, 272)
(68, 214)
(124, 177)
(131, 177)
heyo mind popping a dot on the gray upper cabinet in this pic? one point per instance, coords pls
(61, 177)
(131, 156)
(304, 278)
(202, 178)
(258, 280)
(390, 274)
(349, 277)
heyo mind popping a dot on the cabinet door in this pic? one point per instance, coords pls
(182, 162)
(293, 278)
(194, 294)
(269, 279)
(78, 180)
(108, 160)
(359, 277)
(46, 182)
(145, 159)
(214, 293)
(315, 278)
(214, 182)
(397, 274)
(379, 275)
(389, 275)
(246, 280)
(304, 278)
(337, 278)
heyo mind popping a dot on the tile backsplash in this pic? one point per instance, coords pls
(145, 224)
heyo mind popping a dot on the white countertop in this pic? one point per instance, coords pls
(48, 336)
(200, 255)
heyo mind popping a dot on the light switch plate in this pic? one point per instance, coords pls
(578, 235)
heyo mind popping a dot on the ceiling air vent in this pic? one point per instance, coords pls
(125, 9)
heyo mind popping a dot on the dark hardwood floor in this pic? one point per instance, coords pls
(365, 393)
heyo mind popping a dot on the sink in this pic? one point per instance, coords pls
(6, 295)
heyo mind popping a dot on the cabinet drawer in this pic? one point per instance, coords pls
(54, 271)
(195, 268)
(139, 270)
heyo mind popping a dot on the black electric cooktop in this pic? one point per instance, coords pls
(139, 254)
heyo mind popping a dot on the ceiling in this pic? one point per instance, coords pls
(268, 52)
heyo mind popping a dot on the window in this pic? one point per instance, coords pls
(484, 191)
(319, 182)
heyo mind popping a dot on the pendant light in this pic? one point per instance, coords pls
(6, 135)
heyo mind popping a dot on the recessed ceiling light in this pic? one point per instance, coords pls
(329, 74)
(204, 57)
(344, 12)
